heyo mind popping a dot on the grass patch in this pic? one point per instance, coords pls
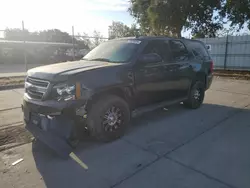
(5, 81)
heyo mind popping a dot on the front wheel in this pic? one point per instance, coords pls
(108, 118)
(196, 96)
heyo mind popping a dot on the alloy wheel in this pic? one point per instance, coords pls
(112, 119)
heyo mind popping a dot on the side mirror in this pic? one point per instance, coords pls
(150, 58)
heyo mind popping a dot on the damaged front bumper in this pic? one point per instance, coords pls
(51, 123)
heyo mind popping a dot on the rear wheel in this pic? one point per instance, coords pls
(196, 96)
(108, 118)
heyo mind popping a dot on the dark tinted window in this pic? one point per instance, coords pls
(198, 49)
(159, 47)
(179, 51)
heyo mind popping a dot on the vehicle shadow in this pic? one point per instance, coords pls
(105, 169)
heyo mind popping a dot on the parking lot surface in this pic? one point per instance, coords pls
(174, 147)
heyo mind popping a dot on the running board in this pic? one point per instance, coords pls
(153, 107)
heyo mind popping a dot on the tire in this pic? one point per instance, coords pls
(102, 117)
(196, 96)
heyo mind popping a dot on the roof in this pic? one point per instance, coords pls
(165, 37)
(153, 38)
(140, 38)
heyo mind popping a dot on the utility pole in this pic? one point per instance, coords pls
(226, 49)
(73, 42)
(24, 52)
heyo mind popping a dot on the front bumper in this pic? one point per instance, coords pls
(49, 122)
(51, 107)
(51, 138)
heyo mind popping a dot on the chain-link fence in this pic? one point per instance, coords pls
(21, 49)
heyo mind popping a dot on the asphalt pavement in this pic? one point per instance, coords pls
(175, 147)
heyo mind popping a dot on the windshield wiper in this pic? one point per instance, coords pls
(100, 59)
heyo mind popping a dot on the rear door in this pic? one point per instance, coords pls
(181, 67)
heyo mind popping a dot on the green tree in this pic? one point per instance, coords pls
(134, 31)
(83, 41)
(236, 11)
(16, 34)
(170, 17)
(52, 35)
(119, 29)
(138, 10)
(98, 39)
(206, 31)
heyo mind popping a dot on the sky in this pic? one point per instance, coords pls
(85, 15)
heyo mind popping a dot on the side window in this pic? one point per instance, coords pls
(159, 47)
(199, 50)
(152, 47)
(179, 51)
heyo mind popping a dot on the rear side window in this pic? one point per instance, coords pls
(198, 50)
(159, 47)
(178, 49)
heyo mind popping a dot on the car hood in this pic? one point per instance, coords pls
(61, 71)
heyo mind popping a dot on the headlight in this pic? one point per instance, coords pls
(64, 92)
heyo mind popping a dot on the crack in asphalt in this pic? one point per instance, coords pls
(209, 129)
(134, 173)
(19, 93)
(200, 172)
(179, 146)
(6, 109)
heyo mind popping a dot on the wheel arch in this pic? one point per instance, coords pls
(200, 76)
(123, 92)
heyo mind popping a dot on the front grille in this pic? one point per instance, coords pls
(35, 94)
(40, 83)
(36, 88)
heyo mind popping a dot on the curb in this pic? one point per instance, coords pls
(10, 146)
(11, 87)
(236, 77)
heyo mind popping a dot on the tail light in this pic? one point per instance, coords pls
(211, 66)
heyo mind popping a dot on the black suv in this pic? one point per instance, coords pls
(117, 80)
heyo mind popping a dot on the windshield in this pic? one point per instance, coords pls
(114, 51)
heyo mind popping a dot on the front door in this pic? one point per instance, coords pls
(151, 80)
